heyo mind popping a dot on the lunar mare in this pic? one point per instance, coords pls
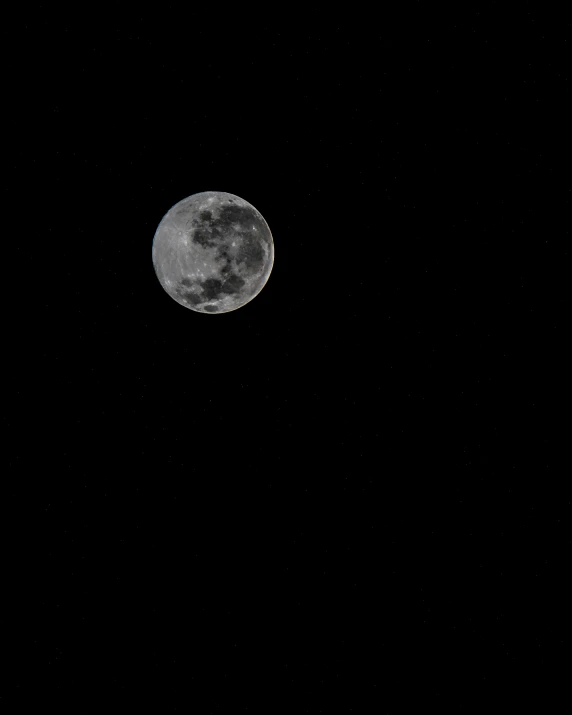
(213, 252)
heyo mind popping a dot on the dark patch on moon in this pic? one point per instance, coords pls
(233, 284)
(251, 253)
(232, 222)
(193, 298)
(204, 237)
(211, 308)
(241, 215)
(212, 288)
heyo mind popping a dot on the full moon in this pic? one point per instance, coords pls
(213, 252)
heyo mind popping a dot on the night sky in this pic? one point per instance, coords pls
(348, 495)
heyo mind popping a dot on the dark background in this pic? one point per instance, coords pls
(348, 495)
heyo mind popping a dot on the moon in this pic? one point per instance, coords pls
(213, 252)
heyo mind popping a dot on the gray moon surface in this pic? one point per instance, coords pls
(213, 252)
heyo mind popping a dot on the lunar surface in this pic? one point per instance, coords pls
(213, 252)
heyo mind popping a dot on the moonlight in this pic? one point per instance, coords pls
(213, 252)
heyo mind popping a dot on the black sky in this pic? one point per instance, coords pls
(347, 494)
